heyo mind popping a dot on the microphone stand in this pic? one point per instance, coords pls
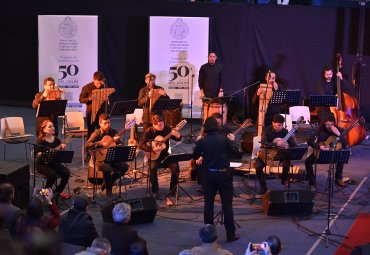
(244, 89)
(191, 107)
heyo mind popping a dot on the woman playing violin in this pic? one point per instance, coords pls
(46, 141)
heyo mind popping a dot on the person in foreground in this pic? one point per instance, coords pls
(216, 151)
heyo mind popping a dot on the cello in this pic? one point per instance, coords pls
(346, 111)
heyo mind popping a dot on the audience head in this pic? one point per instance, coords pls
(34, 208)
(80, 203)
(121, 212)
(100, 246)
(6, 192)
(139, 248)
(40, 242)
(210, 125)
(208, 234)
(274, 243)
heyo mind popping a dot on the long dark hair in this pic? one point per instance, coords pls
(42, 134)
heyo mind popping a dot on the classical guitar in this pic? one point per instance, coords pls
(246, 123)
(269, 154)
(109, 141)
(159, 142)
(67, 140)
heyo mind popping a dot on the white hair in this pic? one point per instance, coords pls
(121, 212)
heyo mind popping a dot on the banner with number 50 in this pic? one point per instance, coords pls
(68, 52)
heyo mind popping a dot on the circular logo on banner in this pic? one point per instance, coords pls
(67, 28)
(179, 29)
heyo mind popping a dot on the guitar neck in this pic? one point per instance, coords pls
(345, 132)
(290, 133)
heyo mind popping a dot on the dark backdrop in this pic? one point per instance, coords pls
(295, 41)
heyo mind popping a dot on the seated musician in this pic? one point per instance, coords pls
(318, 141)
(86, 98)
(46, 141)
(51, 92)
(147, 97)
(111, 171)
(158, 130)
(272, 136)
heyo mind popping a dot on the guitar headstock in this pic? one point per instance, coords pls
(130, 124)
(180, 125)
(299, 121)
(247, 123)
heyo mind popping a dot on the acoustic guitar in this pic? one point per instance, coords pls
(159, 142)
(67, 140)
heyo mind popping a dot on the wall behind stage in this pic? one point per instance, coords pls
(295, 41)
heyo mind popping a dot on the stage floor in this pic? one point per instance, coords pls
(176, 228)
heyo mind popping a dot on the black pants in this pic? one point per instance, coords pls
(111, 172)
(155, 165)
(259, 165)
(223, 183)
(52, 171)
(310, 161)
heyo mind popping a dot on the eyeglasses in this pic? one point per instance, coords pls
(105, 122)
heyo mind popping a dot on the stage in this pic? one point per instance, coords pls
(176, 228)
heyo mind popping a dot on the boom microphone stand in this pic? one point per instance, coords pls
(244, 89)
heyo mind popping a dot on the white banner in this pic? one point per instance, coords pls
(68, 52)
(178, 48)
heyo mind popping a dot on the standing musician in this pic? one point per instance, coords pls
(317, 141)
(147, 97)
(328, 86)
(111, 171)
(148, 143)
(215, 151)
(51, 92)
(46, 140)
(271, 135)
(210, 78)
(86, 98)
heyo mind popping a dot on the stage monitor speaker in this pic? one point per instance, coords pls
(288, 202)
(18, 174)
(143, 210)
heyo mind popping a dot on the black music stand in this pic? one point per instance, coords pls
(286, 97)
(122, 108)
(295, 153)
(325, 100)
(177, 158)
(331, 157)
(120, 154)
(166, 104)
(52, 109)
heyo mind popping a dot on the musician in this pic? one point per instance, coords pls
(215, 151)
(111, 171)
(46, 141)
(270, 77)
(328, 86)
(210, 78)
(271, 138)
(51, 92)
(86, 98)
(146, 95)
(147, 144)
(323, 132)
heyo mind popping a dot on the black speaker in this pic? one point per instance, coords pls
(143, 210)
(18, 174)
(288, 202)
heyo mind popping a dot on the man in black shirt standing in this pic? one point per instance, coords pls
(210, 78)
(216, 150)
(273, 135)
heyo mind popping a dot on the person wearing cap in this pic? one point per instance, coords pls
(272, 136)
(210, 78)
(208, 237)
(323, 132)
(146, 94)
(216, 151)
(86, 98)
(77, 226)
(146, 144)
(119, 234)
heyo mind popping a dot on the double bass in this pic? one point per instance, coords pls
(346, 111)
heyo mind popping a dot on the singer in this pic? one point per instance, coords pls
(320, 141)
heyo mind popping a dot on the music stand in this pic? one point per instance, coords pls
(52, 109)
(331, 157)
(122, 108)
(120, 154)
(286, 97)
(177, 158)
(166, 104)
(325, 100)
(295, 153)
